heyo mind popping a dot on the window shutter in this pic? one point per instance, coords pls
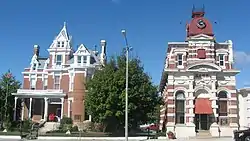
(201, 53)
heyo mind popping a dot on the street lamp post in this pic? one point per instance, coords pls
(126, 97)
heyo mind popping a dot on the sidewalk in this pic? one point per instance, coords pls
(15, 138)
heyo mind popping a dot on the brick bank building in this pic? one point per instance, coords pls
(56, 84)
(198, 83)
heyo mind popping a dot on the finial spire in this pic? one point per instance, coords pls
(64, 24)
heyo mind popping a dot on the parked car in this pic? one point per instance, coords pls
(242, 135)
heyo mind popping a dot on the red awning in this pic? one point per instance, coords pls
(203, 106)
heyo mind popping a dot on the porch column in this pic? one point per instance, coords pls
(14, 115)
(62, 104)
(22, 116)
(30, 108)
(45, 108)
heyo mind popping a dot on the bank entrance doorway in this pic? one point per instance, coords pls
(202, 121)
(203, 114)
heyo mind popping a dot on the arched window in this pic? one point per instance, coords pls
(180, 108)
(222, 108)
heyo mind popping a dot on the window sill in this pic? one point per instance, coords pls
(223, 67)
(180, 67)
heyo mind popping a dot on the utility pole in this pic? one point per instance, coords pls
(126, 97)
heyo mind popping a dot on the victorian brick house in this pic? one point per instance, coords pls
(56, 84)
(198, 83)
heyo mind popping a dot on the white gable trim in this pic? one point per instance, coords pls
(217, 68)
(201, 37)
(82, 50)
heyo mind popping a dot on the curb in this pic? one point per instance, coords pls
(75, 138)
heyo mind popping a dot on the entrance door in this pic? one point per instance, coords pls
(202, 121)
(58, 112)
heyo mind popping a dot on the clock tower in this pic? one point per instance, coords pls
(198, 83)
(199, 24)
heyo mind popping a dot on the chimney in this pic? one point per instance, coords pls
(36, 50)
(103, 52)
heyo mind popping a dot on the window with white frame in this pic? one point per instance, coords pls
(45, 83)
(58, 59)
(79, 59)
(179, 59)
(180, 108)
(221, 59)
(70, 108)
(223, 108)
(34, 66)
(84, 59)
(58, 44)
(57, 82)
(32, 82)
(62, 44)
(71, 83)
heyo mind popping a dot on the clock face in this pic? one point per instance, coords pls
(201, 24)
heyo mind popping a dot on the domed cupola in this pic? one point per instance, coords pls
(199, 24)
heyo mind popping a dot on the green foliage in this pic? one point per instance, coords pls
(8, 85)
(27, 124)
(66, 120)
(74, 129)
(66, 124)
(105, 100)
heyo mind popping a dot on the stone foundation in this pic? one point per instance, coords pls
(182, 130)
(188, 130)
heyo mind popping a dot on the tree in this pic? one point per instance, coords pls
(8, 85)
(105, 99)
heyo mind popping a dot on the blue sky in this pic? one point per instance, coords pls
(150, 24)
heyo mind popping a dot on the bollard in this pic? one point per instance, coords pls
(219, 131)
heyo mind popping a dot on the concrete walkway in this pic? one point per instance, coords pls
(17, 138)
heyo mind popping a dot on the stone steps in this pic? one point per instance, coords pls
(49, 126)
(203, 135)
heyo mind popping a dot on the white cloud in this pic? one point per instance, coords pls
(242, 58)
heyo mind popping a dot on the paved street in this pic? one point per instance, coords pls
(213, 139)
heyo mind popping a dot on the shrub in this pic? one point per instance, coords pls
(7, 125)
(74, 129)
(85, 126)
(66, 120)
(66, 124)
(26, 125)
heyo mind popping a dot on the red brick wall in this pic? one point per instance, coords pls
(26, 83)
(39, 84)
(50, 82)
(78, 95)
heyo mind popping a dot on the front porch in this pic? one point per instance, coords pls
(38, 104)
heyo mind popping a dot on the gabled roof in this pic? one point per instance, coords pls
(82, 50)
(63, 33)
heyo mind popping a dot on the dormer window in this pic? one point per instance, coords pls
(221, 59)
(58, 44)
(180, 59)
(84, 59)
(79, 59)
(58, 59)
